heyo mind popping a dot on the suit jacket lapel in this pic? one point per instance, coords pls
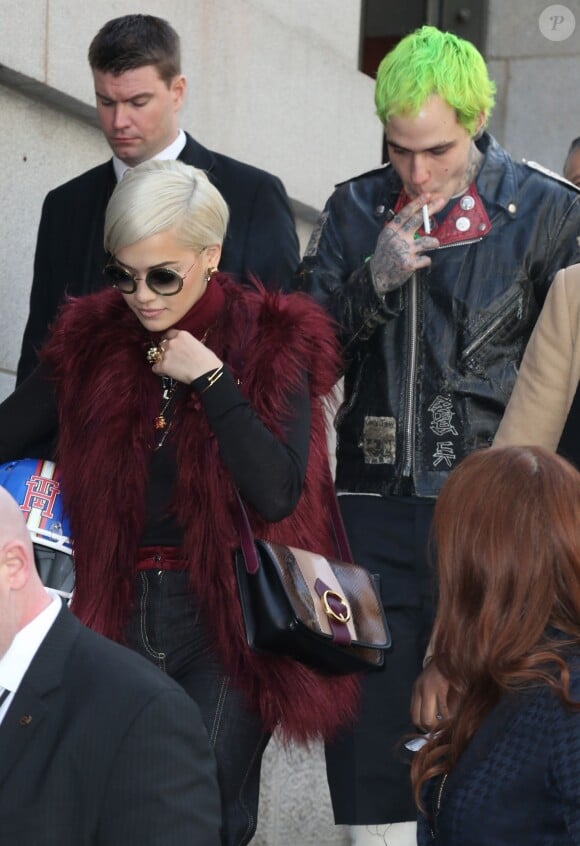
(38, 691)
(23, 719)
(195, 154)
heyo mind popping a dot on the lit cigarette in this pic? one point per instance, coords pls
(426, 221)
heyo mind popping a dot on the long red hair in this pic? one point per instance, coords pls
(507, 537)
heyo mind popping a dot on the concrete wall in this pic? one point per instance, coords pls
(538, 105)
(39, 149)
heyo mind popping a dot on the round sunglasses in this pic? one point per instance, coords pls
(160, 280)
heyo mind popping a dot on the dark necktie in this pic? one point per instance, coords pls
(5, 693)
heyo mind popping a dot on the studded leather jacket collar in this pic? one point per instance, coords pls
(429, 367)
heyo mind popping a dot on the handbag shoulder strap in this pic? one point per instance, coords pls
(247, 536)
(342, 544)
(245, 530)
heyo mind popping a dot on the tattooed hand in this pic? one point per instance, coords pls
(398, 253)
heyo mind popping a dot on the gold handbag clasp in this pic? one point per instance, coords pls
(340, 617)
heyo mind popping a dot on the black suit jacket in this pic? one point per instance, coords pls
(261, 239)
(99, 748)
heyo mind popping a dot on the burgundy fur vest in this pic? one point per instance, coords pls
(104, 392)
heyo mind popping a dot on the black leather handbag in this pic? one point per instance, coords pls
(322, 612)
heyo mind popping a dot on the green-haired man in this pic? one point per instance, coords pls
(435, 268)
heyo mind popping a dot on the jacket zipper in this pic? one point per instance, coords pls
(410, 389)
(458, 244)
(411, 386)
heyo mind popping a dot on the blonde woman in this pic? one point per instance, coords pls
(167, 392)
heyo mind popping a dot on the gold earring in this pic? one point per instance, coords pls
(209, 273)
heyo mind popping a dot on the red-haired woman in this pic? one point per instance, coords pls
(504, 768)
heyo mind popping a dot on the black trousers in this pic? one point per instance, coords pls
(368, 766)
(168, 628)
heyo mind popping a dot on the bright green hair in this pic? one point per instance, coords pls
(428, 62)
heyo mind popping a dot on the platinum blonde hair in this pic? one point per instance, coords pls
(157, 196)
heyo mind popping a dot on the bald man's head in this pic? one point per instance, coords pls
(12, 523)
(22, 594)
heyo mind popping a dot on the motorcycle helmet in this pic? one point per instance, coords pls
(35, 485)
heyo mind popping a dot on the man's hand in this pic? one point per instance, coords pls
(399, 253)
(429, 703)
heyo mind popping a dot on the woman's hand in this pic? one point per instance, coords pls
(430, 700)
(184, 357)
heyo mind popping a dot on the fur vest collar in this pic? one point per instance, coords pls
(105, 394)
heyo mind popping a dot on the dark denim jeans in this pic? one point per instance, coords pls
(167, 628)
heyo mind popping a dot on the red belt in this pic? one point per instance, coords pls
(161, 558)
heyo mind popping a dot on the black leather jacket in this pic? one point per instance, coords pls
(430, 366)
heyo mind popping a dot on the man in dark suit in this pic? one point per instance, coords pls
(139, 90)
(97, 746)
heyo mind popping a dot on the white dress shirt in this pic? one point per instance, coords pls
(170, 153)
(16, 661)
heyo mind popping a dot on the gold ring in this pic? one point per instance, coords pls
(154, 354)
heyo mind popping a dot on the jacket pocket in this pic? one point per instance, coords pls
(496, 335)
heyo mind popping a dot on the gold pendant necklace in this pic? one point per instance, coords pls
(169, 387)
